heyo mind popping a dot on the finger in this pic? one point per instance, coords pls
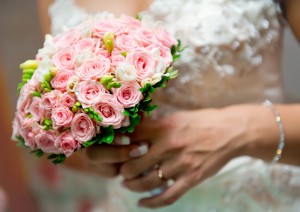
(121, 140)
(134, 168)
(151, 181)
(149, 129)
(109, 153)
(104, 170)
(169, 196)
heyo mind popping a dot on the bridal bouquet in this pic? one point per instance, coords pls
(91, 82)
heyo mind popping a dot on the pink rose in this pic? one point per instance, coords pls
(110, 110)
(65, 59)
(116, 59)
(66, 39)
(36, 110)
(108, 25)
(29, 134)
(131, 22)
(51, 99)
(144, 63)
(34, 82)
(94, 69)
(45, 141)
(89, 92)
(61, 117)
(68, 99)
(126, 43)
(85, 43)
(66, 143)
(60, 81)
(145, 37)
(102, 52)
(165, 38)
(82, 128)
(25, 98)
(129, 94)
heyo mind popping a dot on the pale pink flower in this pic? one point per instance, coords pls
(129, 95)
(165, 38)
(60, 81)
(144, 63)
(36, 110)
(82, 128)
(66, 143)
(145, 37)
(45, 141)
(65, 59)
(126, 43)
(89, 92)
(85, 43)
(130, 22)
(110, 110)
(25, 98)
(51, 99)
(68, 99)
(108, 25)
(66, 39)
(116, 59)
(61, 117)
(94, 68)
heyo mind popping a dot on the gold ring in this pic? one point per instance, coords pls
(160, 173)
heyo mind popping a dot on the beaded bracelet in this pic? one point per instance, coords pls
(281, 144)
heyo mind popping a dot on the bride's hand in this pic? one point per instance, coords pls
(189, 147)
(105, 160)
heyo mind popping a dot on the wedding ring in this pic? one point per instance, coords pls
(160, 174)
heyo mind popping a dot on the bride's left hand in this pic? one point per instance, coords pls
(189, 147)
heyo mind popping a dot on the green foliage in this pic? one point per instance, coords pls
(21, 141)
(57, 158)
(38, 153)
(92, 114)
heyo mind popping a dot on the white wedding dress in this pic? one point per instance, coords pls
(233, 56)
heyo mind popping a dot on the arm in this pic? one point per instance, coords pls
(293, 16)
(45, 23)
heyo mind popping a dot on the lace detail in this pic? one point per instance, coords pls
(232, 56)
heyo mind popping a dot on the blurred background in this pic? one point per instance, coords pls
(20, 38)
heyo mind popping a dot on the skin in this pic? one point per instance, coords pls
(192, 146)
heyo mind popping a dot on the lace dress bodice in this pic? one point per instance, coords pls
(232, 56)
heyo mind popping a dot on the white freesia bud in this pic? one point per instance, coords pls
(49, 47)
(43, 69)
(155, 79)
(126, 72)
(72, 83)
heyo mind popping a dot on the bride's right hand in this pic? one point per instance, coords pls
(105, 160)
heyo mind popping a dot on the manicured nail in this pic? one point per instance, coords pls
(141, 150)
(122, 140)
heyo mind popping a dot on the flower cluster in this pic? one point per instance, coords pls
(90, 82)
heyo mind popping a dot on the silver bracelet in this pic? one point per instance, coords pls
(281, 144)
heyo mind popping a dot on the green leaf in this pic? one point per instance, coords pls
(126, 113)
(89, 143)
(52, 156)
(59, 159)
(134, 121)
(107, 135)
(21, 142)
(36, 93)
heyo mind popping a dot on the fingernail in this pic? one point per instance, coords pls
(122, 140)
(141, 150)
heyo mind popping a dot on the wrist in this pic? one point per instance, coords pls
(260, 135)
